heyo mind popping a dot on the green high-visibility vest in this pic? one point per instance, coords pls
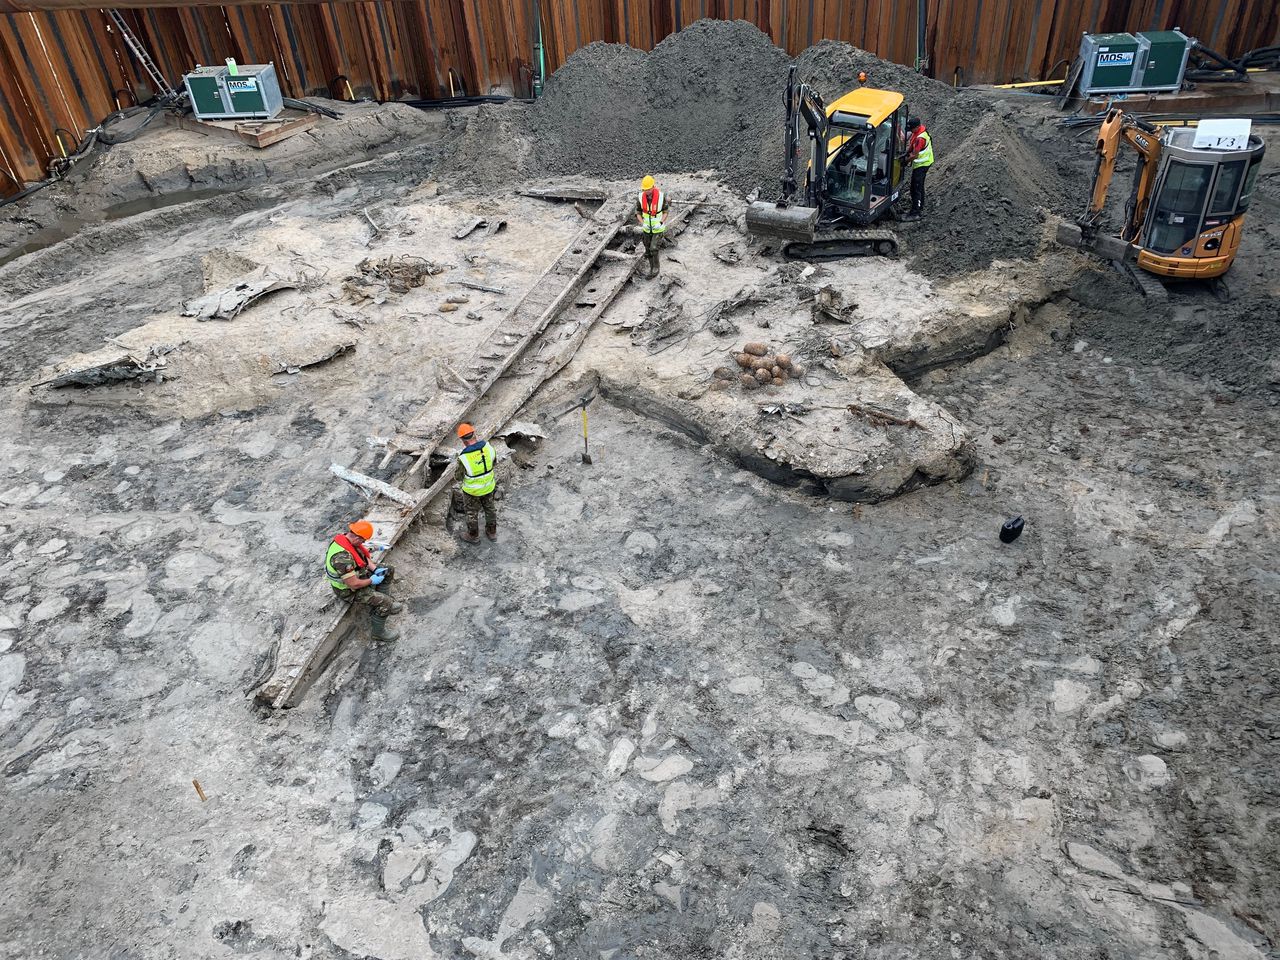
(335, 578)
(478, 466)
(925, 157)
(652, 217)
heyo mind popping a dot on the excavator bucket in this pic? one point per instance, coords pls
(766, 219)
(1109, 248)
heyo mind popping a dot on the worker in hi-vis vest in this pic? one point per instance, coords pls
(651, 214)
(920, 152)
(475, 471)
(355, 579)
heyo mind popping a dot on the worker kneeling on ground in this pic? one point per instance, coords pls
(354, 579)
(651, 214)
(475, 471)
(920, 152)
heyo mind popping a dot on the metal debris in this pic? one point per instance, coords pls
(473, 285)
(293, 366)
(882, 418)
(229, 302)
(567, 192)
(728, 253)
(375, 279)
(112, 366)
(828, 304)
(490, 227)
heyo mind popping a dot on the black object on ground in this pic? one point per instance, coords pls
(1010, 530)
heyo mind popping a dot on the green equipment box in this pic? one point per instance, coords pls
(1133, 62)
(251, 93)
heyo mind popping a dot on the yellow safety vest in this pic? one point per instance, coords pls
(925, 157)
(655, 222)
(478, 465)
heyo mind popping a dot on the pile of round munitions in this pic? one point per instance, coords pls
(757, 367)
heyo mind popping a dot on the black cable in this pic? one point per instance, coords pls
(313, 107)
(451, 102)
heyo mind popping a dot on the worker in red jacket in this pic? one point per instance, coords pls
(920, 153)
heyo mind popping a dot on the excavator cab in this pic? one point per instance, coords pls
(1196, 215)
(854, 152)
(865, 154)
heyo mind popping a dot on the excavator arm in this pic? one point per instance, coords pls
(1119, 128)
(806, 129)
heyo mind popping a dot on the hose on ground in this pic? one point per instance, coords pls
(313, 107)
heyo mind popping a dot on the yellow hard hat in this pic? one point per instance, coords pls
(646, 183)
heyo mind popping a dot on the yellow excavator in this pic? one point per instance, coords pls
(1185, 213)
(855, 152)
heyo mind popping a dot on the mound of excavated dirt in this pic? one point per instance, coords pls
(707, 97)
(987, 200)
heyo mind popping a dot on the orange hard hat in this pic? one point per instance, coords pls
(362, 529)
(465, 429)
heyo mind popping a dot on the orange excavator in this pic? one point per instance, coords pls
(1185, 214)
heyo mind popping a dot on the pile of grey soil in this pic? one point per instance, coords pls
(708, 97)
(988, 200)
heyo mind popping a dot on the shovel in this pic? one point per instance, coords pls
(586, 455)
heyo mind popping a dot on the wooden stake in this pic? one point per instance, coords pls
(199, 790)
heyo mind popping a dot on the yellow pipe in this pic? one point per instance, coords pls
(1030, 83)
(58, 137)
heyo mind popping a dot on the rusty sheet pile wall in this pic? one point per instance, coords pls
(61, 71)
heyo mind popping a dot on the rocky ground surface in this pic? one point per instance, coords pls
(678, 708)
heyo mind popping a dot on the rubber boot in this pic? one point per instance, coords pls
(472, 535)
(911, 217)
(380, 629)
(491, 531)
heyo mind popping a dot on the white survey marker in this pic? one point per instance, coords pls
(1222, 134)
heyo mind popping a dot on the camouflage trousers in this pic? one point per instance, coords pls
(377, 599)
(652, 243)
(473, 506)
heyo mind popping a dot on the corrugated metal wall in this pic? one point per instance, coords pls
(61, 72)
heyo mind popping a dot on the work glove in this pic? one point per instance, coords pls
(378, 576)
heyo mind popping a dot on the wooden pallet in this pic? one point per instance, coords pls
(256, 133)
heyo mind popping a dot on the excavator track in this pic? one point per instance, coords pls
(1150, 286)
(838, 244)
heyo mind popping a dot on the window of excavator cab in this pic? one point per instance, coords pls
(902, 144)
(883, 156)
(1180, 205)
(1224, 191)
(847, 168)
(1250, 179)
